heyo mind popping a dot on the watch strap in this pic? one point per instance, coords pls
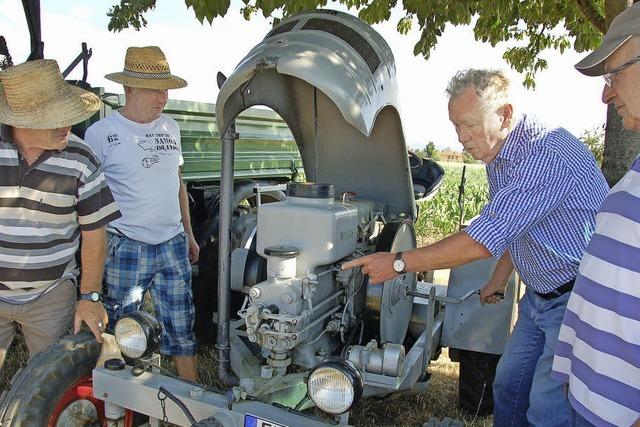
(91, 296)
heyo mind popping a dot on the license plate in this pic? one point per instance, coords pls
(253, 421)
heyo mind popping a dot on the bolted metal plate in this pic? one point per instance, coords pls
(388, 305)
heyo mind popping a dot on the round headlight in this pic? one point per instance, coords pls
(137, 334)
(335, 385)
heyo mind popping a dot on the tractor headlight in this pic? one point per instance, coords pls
(137, 334)
(335, 385)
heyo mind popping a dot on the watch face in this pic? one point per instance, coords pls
(95, 297)
(398, 265)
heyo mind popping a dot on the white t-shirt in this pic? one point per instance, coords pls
(140, 162)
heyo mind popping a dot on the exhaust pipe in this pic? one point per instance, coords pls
(224, 255)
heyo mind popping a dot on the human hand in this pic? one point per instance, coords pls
(378, 266)
(94, 315)
(194, 250)
(492, 293)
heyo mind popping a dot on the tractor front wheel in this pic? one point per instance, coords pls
(55, 388)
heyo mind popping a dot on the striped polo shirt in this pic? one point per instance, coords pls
(545, 189)
(43, 209)
(598, 350)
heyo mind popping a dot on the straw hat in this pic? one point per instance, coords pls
(146, 67)
(34, 95)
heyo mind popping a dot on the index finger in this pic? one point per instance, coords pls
(97, 331)
(354, 263)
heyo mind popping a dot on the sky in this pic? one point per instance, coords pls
(563, 97)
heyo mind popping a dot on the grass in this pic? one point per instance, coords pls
(438, 218)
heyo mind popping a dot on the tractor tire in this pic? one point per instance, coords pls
(55, 388)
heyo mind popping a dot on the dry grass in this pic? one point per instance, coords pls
(440, 400)
(16, 359)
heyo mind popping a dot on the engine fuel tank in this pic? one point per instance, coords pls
(322, 229)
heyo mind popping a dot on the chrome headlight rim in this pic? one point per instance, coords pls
(150, 328)
(350, 371)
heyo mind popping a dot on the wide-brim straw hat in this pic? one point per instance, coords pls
(146, 67)
(34, 95)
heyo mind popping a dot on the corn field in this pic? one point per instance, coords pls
(440, 216)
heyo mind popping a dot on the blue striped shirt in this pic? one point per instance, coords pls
(598, 350)
(545, 189)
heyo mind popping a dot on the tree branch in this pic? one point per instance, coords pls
(589, 11)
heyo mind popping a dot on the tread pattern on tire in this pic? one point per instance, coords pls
(35, 388)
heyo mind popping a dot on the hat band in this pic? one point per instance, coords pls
(140, 75)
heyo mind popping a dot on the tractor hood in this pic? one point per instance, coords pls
(332, 79)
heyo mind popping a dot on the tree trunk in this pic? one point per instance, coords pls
(621, 146)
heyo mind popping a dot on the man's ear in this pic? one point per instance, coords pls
(507, 115)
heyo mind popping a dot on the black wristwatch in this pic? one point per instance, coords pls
(398, 264)
(91, 296)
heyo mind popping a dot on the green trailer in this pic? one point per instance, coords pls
(266, 155)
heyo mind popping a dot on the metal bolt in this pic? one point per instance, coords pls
(286, 298)
(254, 292)
(266, 371)
(195, 393)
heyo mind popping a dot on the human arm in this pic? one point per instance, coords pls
(452, 251)
(92, 256)
(183, 199)
(498, 281)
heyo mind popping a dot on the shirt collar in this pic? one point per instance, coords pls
(511, 147)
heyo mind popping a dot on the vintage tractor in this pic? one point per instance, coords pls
(306, 333)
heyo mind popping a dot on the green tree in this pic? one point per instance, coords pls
(531, 27)
(429, 149)
(594, 140)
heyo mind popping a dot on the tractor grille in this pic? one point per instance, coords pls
(284, 28)
(350, 36)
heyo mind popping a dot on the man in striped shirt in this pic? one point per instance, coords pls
(52, 193)
(545, 189)
(598, 351)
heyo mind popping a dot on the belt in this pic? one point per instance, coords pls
(560, 290)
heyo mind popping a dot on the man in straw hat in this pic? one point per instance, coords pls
(598, 351)
(151, 245)
(52, 192)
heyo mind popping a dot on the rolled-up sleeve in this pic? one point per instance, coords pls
(538, 185)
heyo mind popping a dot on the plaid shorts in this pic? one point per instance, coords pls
(133, 267)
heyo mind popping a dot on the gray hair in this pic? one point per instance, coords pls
(491, 86)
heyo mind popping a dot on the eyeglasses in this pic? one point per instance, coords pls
(608, 78)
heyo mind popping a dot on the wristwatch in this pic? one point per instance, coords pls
(398, 264)
(91, 296)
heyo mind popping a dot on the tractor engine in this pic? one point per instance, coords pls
(308, 308)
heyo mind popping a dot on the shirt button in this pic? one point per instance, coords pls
(492, 214)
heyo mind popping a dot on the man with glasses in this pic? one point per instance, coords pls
(598, 351)
(545, 189)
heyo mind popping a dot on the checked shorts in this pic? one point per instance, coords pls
(134, 267)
